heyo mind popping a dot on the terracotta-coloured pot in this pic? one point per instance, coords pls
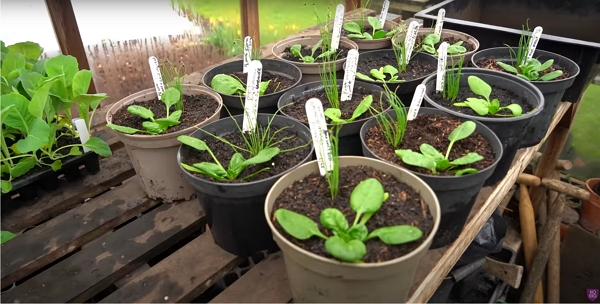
(590, 209)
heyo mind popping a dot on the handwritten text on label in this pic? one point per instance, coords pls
(252, 96)
(247, 52)
(411, 38)
(415, 105)
(439, 23)
(533, 42)
(337, 27)
(320, 135)
(349, 75)
(156, 76)
(441, 68)
(384, 11)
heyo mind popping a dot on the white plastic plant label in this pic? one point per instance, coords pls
(84, 133)
(338, 21)
(320, 135)
(247, 53)
(415, 105)
(533, 41)
(411, 38)
(384, 11)
(156, 76)
(441, 67)
(349, 75)
(439, 22)
(252, 95)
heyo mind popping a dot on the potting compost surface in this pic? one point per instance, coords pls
(306, 50)
(505, 97)
(490, 64)
(404, 206)
(449, 40)
(278, 82)
(297, 109)
(433, 130)
(196, 109)
(597, 189)
(414, 69)
(278, 164)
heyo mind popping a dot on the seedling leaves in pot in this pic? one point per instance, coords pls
(335, 114)
(229, 85)
(486, 106)
(380, 74)
(296, 51)
(298, 225)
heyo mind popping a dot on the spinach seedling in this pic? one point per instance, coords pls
(226, 84)
(296, 51)
(485, 106)
(380, 74)
(169, 97)
(433, 160)
(532, 70)
(335, 114)
(358, 32)
(348, 242)
(429, 42)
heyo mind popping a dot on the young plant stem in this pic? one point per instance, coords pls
(452, 82)
(328, 76)
(333, 177)
(173, 78)
(392, 128)
(400, 54)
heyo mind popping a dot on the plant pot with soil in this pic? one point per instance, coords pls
(149, 128)
(551, 73)
(233, 196)
(590, 209)
(368, 32)
(460, 45)
(504, 103)
(360, 244)
(458, 156)
(229, 81)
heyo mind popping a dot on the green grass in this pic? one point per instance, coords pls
(584, 132)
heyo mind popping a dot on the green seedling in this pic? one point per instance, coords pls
(452, 82)
(229, 85)
(485, 106)
(434, 161)
(358, 32)
(348, 241)
(392, 128)
(380, 74)
(429, 42)
(336, 114)
(296, 51)
(174, 77)
(6, 236)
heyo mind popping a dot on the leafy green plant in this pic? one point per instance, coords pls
(485, 106)
(335, 114)
(328, 75)
(428, 45)
(230, 85)
(357, 31)
(452, 81)
(433, 160)
(296, 51)
(348, 241)
(6, 236)
(392, 128)
(380, 74)
(173, 77)
(400, 53)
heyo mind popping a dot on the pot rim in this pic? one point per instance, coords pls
(436, 222)
(525, 84)
(119, 104)
(398, 83)
(343, 41)
(589, 184)
(245, 184)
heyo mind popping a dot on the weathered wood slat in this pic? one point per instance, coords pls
(54, 239)
(86, 273)
(181, 277)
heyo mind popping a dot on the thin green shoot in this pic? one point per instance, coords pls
(333, 177)
(328, 75)
(452, 81)
(392, 128)
(174, 78)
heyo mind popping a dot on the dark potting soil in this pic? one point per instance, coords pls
(278, 164)
(297, 108)
(306, 50)
(433, 130)
(278, 82)
(505, 97)
(490, 64)
(450, 41)
(404, 206)
(596, 189)
(196, 109)
(414, 70)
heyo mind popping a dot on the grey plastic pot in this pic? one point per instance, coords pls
(553, 90)
(234, 211)
(154, 157)
(456, 194)
(310, 71)
(374, 44)
(266, 103)
(510, 130)
(349, 139)
(315, 279)
(446, 33)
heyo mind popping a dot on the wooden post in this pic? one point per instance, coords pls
(249, 18)
(67, 33)
(350, 5)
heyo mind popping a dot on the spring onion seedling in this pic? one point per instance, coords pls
(399, 48)
(380, 74)
(328, 75)
(227, 84)
(485, 106)
(347, 242)
(392, 128)
(333, 177)
(433, 160)
(358, 32)
(429, 42)
(452, 82)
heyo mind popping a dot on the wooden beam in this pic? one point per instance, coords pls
(350, 5)
(249, 18)
(67, 33)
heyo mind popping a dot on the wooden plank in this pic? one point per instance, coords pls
(111, 257)
(113, 171)
(48, 242)
(181, 277)
(266, 282)
(250, 20)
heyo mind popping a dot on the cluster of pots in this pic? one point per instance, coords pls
(239, 214)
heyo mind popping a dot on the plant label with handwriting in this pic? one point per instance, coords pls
(415, 105)
(411, 38)
(338, 21)
(384, 11)
(156, 76)
(349, 75)
(439, 23)
(441, 67)
(247, 52)
(252, 96)
(320, 135)
(533, 42)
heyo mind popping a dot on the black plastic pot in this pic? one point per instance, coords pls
(510, 130)
(568, 29)
(456, 194)
(405, 90)
(349, 137)
(553, 90)
(266, 103)
(235, 211)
